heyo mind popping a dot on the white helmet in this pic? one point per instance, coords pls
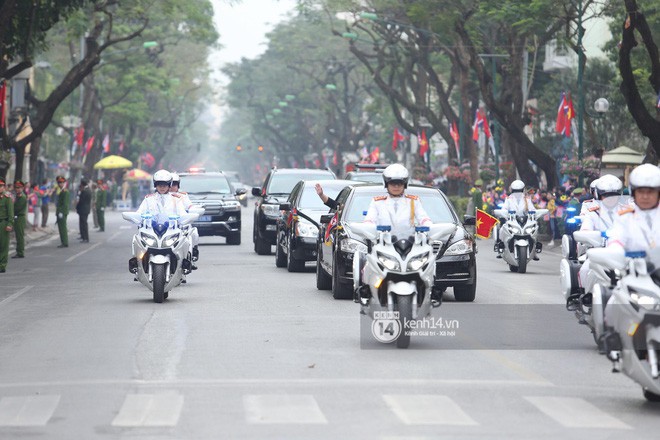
(175, 178)
(592, 188)
(396, 172)
(517, 186)
(162, 176)
(645, 176)
(608, 185)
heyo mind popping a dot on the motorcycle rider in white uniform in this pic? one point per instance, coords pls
(594, 198)
(400, 211)
(174, 190)
(637, 227)
(161, 201)
(600, 214)
(517, 201)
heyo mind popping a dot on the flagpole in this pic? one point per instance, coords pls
(581, 62)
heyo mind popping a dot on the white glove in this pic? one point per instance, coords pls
(60, 215)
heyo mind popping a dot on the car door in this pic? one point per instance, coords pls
(327, 247)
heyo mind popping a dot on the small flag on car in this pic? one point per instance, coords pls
(485, 224)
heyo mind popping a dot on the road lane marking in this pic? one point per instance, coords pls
(15, 295)
(27, 410)
(113, 236)
(573, 412)
(282, 409)
(73, 257)
(361, 382)
(150, 410)
(427, 409)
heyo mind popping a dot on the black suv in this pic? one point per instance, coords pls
(456, 264)
(222, 211)
(276, 188)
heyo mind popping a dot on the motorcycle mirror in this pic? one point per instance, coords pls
(325, 218)
(441, 230)
(612, 257)
(366, 230)
(256, 191)
(132, 217)
(285, 206)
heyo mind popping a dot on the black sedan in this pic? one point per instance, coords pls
(456, 263)
(298, 226)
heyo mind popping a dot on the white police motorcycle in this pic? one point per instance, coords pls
(518, 237)
(585, 301)
(394, 280)
(632, 316)
(160, 251)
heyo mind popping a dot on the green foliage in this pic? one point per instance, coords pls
(460, 204)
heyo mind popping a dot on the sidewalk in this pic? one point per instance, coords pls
(32, 237)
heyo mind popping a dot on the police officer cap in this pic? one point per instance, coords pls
(645, 176)
(396, 173)
(478, 182)
(609, 185)
(578, 191)
(60, 179)
(517, 186)
(2, 181)
(99, 181)
(18, 183)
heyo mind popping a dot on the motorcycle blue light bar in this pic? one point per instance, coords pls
(636, 254)
(422, 229)
(384, 228)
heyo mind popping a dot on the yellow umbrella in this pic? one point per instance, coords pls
(112, 162)
(137, 174)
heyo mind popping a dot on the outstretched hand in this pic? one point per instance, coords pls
(319, 189)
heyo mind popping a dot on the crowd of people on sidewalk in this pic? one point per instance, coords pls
(25, 210)
(557, 201)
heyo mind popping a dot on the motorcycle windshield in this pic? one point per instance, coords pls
(522, 220)
(159, 224)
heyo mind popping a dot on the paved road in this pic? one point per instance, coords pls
(246, 350)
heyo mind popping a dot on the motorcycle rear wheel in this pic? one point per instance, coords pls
(159, 283)
(404, 307)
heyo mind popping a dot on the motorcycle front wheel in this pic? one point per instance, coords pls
(522, 259)
(159, 282)
(404, 307)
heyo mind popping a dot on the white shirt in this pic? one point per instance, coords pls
(184, 199)
(397, 212)
(518, 202)
(167, 204)
(632, 231)
(600, 217)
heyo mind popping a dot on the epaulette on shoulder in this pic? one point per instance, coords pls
(594, 208)
(411, 196)
(150, 195)
(175, 195)
(626, 210)
(378, 198)
(183, 193)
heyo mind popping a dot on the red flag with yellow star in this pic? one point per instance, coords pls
(485, 224)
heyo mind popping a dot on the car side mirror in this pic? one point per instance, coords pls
(285, 206)
(256, 191)
(241, 191)
(326, 218)
(469, 220)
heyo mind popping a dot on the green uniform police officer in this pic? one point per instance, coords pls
(20, 218)
(62, 211)
(6, 224)
(101, 199)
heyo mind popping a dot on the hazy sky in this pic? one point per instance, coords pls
(242, 27)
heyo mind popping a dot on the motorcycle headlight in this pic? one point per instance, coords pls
(270, 210)
(147, 240)
(388, 262)
(530, 229)
(171, 240)
(644, 301)
(461, 247)
(351, 246)
(418, 262)
(306, 230)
